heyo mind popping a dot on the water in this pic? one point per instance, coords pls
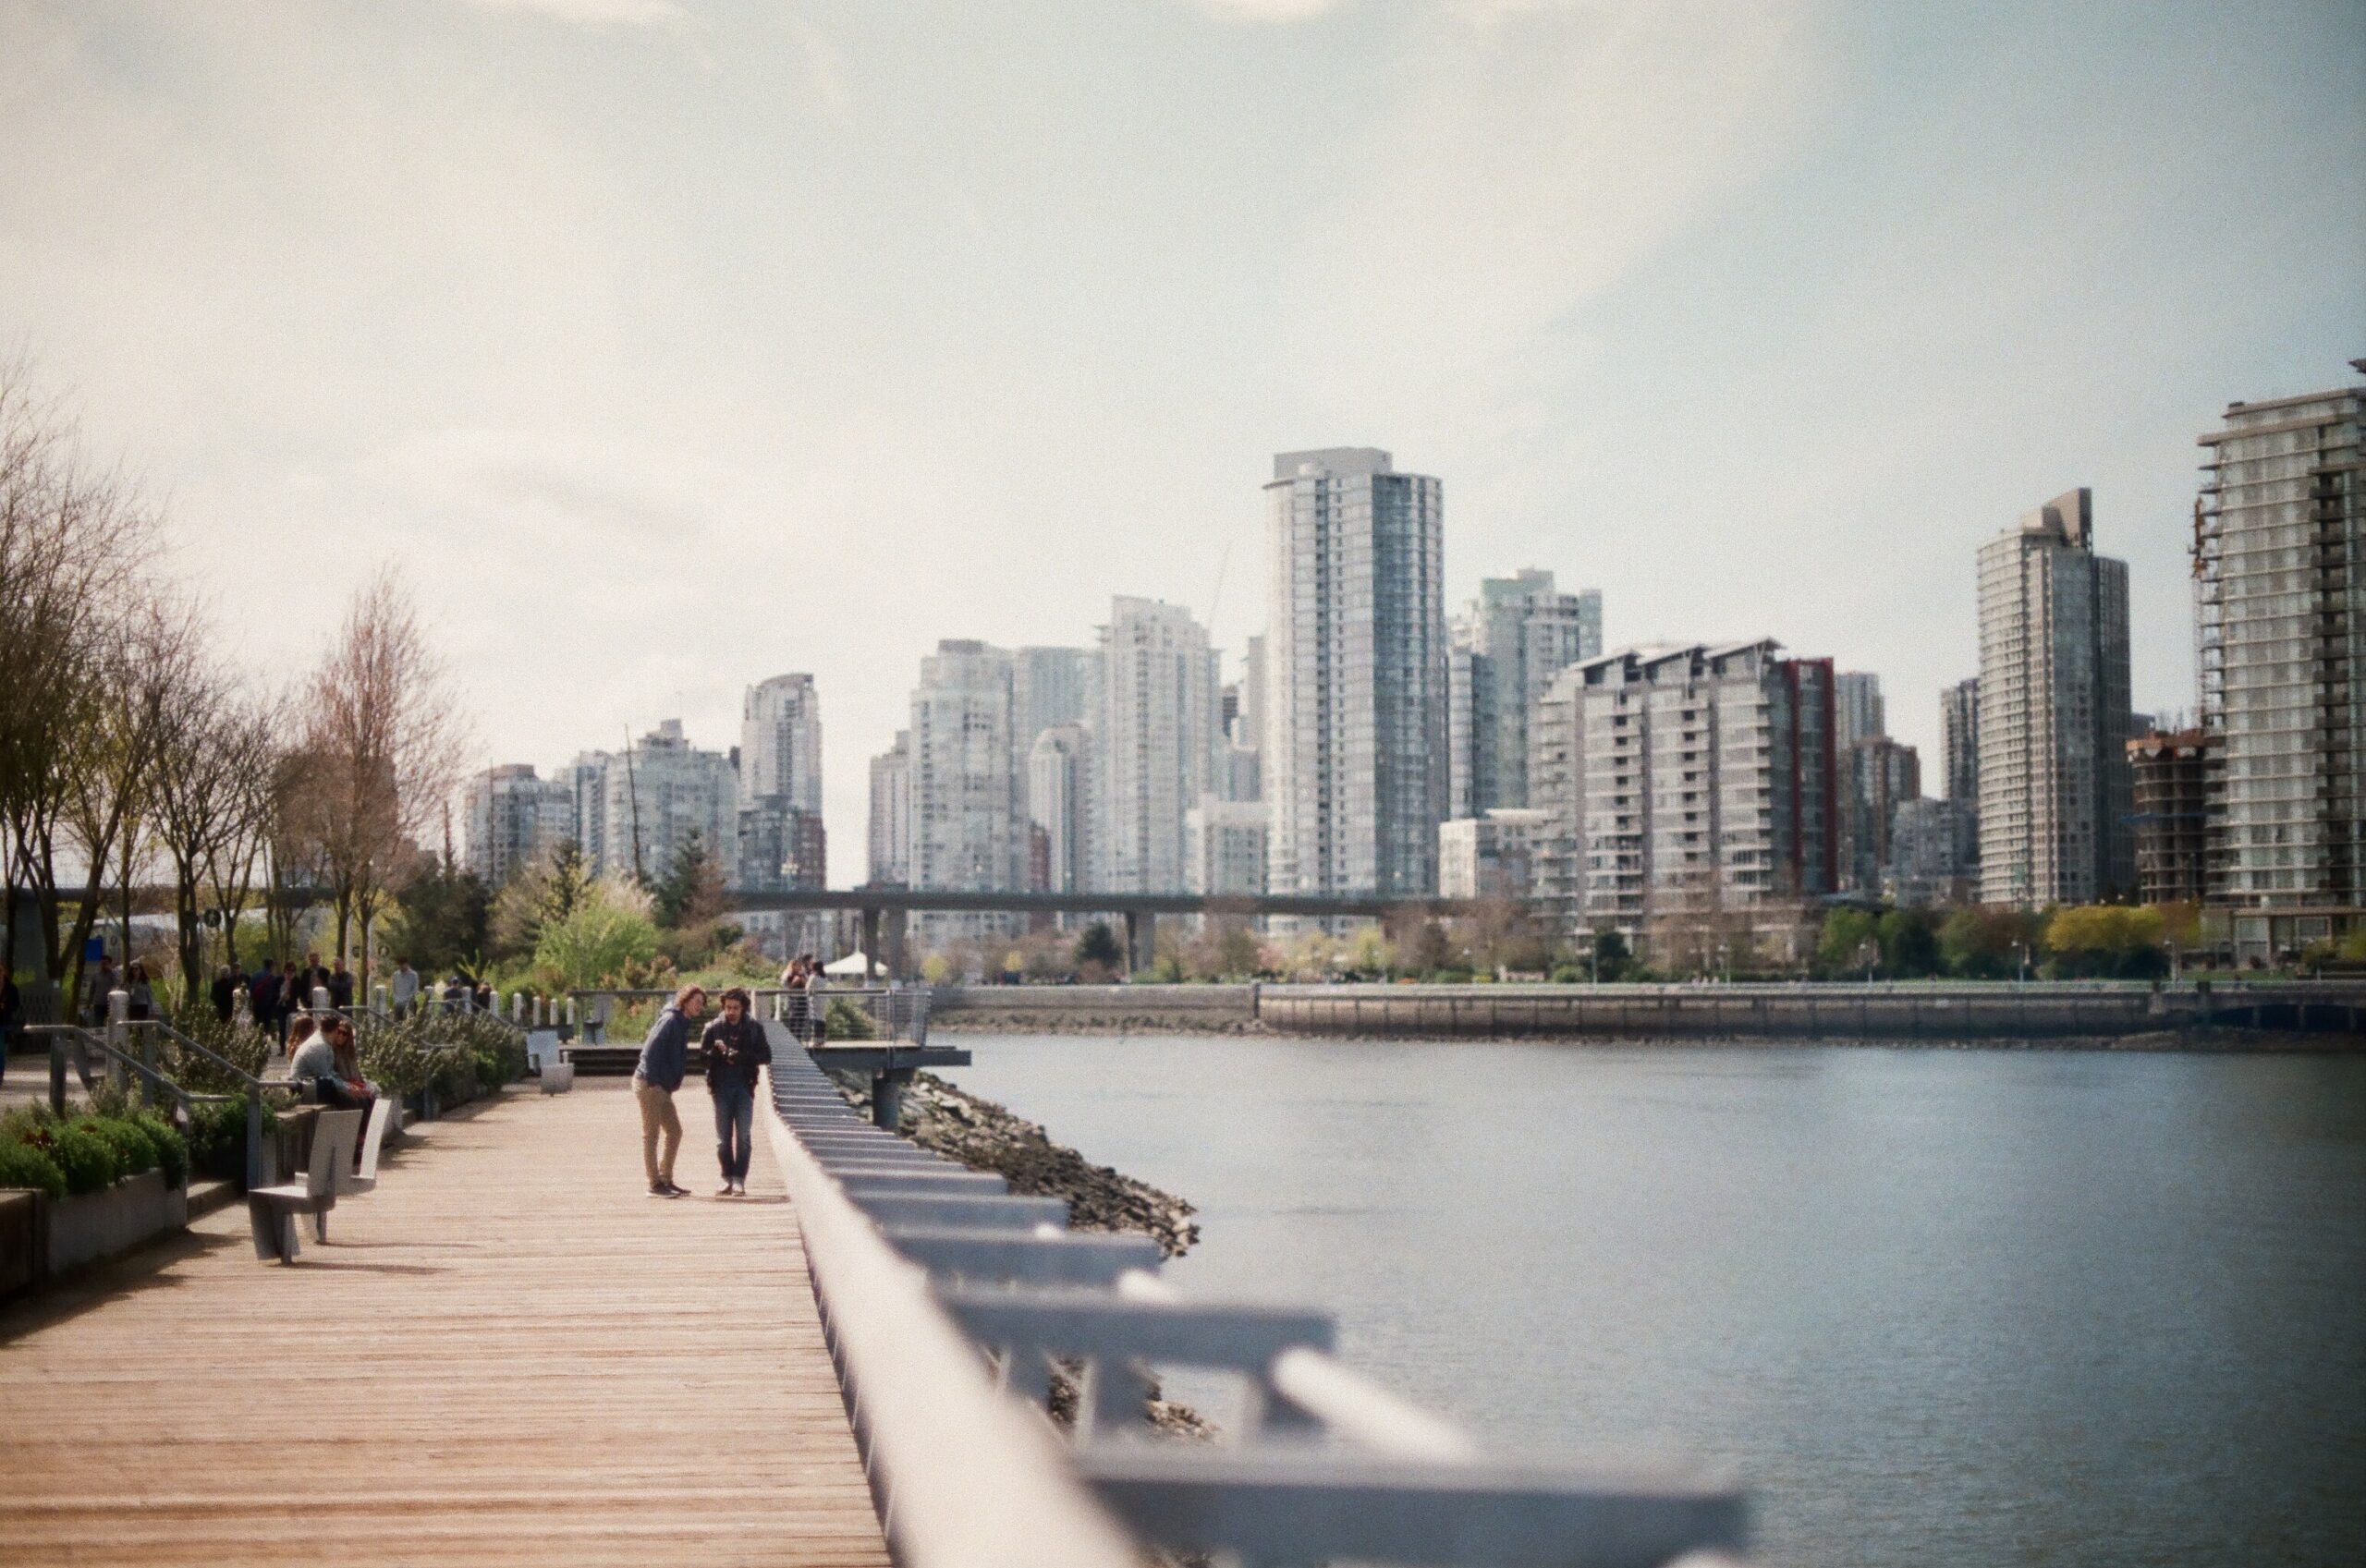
(1931, 1307)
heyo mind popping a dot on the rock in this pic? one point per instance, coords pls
(986, 1137)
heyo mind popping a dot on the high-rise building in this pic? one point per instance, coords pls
(2280, 601)
(1060, 792)
(1158, 742)
(1684, 785)
(781, 847)
(2054, 782)
(513, 814)
(1878, 776)
(2172, 779)
(1858, 715)
(1935, 854)
(1224, 844)
(1355, 755)
(652, 799)
(1491, 857)
(1052, 685)
(1506, 648)
(780, 743)
(891, 814)
(967, 830)
(1959, 740)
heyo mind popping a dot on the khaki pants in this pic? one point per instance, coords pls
(657, 1116)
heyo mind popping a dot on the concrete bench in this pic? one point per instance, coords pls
(270, 1212)
(365, 1177)
(557, 1077)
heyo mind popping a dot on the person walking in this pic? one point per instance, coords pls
(406, 987)
(340, 986)
(139, 992)
(94, 1000)
(792, 983)
(665, 1058)
(225, 992)
(262, 997)
(817, 1008)
(736, 1052)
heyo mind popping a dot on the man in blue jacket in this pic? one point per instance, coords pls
(665, 1057)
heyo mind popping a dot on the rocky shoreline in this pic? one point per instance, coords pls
(987, 1137)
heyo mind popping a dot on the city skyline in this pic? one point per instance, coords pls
(464, 316)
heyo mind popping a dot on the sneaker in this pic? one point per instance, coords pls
(659, 1189)
(673, 1190)
(740, 1189)
(722, 1191)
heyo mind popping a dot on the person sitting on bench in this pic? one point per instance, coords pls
(328, 1061)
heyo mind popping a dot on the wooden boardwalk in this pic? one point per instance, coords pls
(506, 1354)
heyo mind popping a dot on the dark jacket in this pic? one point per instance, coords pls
(340, 989)
(262, 995)
(226, 997)
(733, 1053)
(665, 1054)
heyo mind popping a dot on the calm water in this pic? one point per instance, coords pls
(1953, 1307)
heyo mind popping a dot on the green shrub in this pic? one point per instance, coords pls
(846, 1021)
(87, 1159)
(218, 1137)
(22, 1165)
(126, 1138)
(172, 1150)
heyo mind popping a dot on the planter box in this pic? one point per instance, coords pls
(101, 1225)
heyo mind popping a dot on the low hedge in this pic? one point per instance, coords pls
(23, 1165)
(87, 1159)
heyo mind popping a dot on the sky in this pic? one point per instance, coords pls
(667, 346)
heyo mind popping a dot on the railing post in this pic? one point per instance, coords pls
(57, 1075)
(378, 1006)
(118, 1037)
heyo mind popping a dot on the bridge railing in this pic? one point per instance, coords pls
(950, 1305)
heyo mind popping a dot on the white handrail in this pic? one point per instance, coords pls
(919, 1391)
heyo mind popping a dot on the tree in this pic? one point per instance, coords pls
(202, 795)
(539, 891)
(1848, 936)
(441, 919)
(1610, 957)
(384, 749)
(605, 939)
(2106, 940)
(1097, 949)
(690, 891)
(1909, 947)
(1987, 944)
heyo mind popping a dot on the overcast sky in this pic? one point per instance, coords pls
(673, 346)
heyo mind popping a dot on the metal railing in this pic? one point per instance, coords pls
(115, 1045)
(894, 1013)
(948, 1304)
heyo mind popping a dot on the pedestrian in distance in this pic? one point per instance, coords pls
(94, 999)
(225, 992)
(264, 997)
(406, 987)
(664, 1059)
(792, 985)
(139, 992)
(340, 986)
(817, 1013)
(736, 1052)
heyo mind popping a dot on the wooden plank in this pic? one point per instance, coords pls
(506, 1354)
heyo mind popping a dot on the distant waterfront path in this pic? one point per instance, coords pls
(506, 1354)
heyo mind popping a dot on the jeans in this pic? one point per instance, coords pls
(735, 1124)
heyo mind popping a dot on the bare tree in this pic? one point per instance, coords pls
(204, 798)
(251, 732)
(70, 541)
(383, 746)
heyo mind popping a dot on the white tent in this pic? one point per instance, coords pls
(856, 964)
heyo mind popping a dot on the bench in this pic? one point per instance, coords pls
(364, 1178)
(270, 1212)
(557, 1077)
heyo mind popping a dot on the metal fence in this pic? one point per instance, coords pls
(949, 1305)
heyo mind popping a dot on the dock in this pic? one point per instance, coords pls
(507, 1354)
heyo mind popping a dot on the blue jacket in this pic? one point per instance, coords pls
(665, 1054)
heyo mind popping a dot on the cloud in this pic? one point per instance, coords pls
(1270, 10)
(1531, 156)
(596, 13)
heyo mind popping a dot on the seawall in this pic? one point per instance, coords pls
(2321, 1014)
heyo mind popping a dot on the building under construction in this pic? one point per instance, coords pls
(2174, 780)
(2279, 563)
